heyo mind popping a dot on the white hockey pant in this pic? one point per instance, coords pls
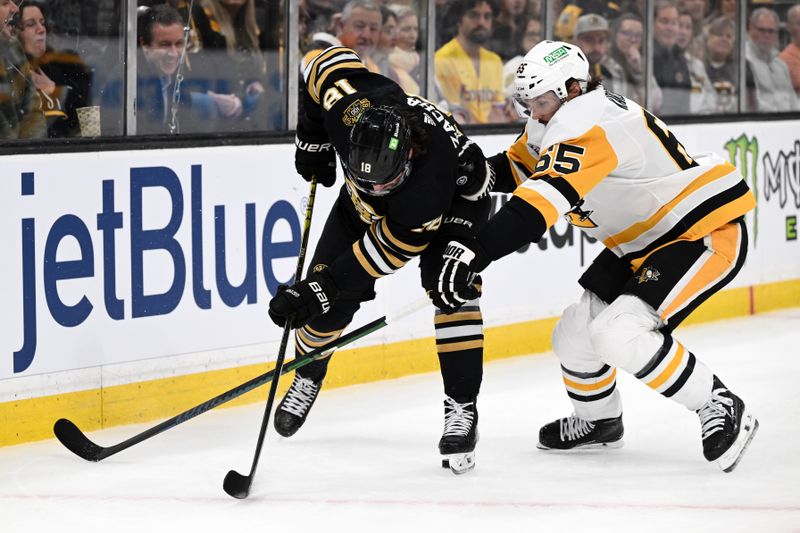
(593, 339)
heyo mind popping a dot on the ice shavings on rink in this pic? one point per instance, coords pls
(366, 460)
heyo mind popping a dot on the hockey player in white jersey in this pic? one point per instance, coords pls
(673, 227)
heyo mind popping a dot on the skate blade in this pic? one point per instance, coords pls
(459, 463)
(730, 459)
(591, 446)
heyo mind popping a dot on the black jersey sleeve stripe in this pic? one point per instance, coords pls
(585, 375)
(504, 176)
(388, 246)
(564, 188)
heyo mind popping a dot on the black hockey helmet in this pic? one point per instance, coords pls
(378, 158)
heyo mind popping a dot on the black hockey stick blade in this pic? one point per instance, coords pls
(237, 485)
(78, 443)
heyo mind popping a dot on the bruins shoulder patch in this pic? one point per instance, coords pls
(354, 110)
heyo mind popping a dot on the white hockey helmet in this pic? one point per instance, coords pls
(547, 67)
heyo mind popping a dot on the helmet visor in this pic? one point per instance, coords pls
(544, 104)
(373, 188)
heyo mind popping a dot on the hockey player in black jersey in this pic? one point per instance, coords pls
(412, 182)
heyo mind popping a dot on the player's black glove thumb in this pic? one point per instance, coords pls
(303, 301)
(315, 158)
(458, 280)
(475, 176)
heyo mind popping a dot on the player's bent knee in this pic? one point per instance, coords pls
(625, 333)
(570, 336)
(569, 328)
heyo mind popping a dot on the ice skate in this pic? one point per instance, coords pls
(460, 435)
(727, 427)
(294, 408)
(573, 432)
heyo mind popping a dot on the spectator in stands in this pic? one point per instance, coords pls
(404, 59)
(20, 108)
(722, 8)
(161, 106)
(322, 14)
(703, 98)
(791, 54)
(470, 75)
(386, 40)
(591, 35)
(565, 23)
(720, 62)
(507, 29)
(359, 28)
(61, 79)
(697, 9)
(669, 64)
(231, 62)
(529, 39)
(626, 65)
(768, 80)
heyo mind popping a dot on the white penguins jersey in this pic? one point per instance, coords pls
(616, 171)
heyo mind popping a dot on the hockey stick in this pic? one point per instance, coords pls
(235, 484)
(78, 443)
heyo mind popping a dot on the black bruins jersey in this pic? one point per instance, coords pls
(402, 224)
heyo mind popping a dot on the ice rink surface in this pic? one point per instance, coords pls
(366, 460)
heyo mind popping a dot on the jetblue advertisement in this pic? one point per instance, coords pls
(123, 256)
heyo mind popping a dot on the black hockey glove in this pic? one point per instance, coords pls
(315, 158)
(475, 176)
(458, 280)
(303, 301)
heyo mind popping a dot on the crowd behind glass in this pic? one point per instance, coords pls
(211, 66)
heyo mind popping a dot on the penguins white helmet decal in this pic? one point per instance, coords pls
(547, 67)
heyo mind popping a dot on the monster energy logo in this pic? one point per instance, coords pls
(393, 143)
(747, 163)
(555, 55)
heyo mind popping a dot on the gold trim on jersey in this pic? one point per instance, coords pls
(587, 387)
(582, 163)
(365, 264)
(455, 317)
(540, 203)
(325, 64)
(635, 230)
(596, 163)
(397, 243)
(387, 252)
(520, 155)
(671, 368)
(459, 346)
(316, 333)
(723, 251)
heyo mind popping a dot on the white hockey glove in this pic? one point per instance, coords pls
(475, 174)
(458, 283)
